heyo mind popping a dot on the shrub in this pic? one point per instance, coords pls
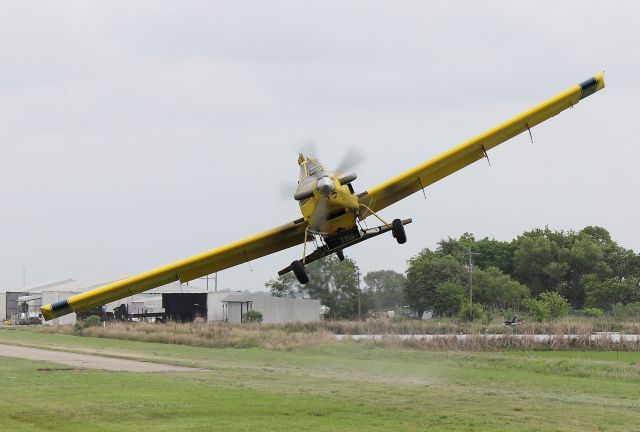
(465, 313)
(628, 311)
(538, 310)
(252, 316)
(558, 305)
(593, 312)
(487, 318)
(91, 321)
(549, 305)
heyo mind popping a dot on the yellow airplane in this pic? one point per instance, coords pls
(331, 211)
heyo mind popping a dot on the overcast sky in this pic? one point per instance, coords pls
(133, 134)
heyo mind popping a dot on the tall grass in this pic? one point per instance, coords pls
(296, 335)
(569, 325)
(219, 335)
(520, 342)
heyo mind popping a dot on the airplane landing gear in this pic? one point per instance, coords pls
(341, 241)
(397, 229)
(299, 271)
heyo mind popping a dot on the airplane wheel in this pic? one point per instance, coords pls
(340, 255)
(398, 231)
(300, 272)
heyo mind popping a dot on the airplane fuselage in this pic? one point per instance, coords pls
(327, 200)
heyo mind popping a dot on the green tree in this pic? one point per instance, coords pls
(548, 260)
(585, 256)
(456, 247)
(449, 296)
(622, 262)
(607, 292)
(425, 272)
(533, 253)
(385, 288)
(333, 282)
(494, 253)
(557, 272)
(496, 289)
(285, 286)
(597, 234)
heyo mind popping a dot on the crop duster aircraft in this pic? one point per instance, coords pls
(332, 211)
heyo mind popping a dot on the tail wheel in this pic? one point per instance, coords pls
(398, 231)
(340, 255)
(300, 272)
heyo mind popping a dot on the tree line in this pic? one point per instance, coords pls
(585, 269)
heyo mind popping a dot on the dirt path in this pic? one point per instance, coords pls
(87, 361)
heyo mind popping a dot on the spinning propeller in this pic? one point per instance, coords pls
(322, 186)
(351, 159)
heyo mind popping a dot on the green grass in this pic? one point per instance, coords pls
(336, 386)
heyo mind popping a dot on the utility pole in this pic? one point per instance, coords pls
(470, 255)
(359, 309)
(24, 276)
(215, 278)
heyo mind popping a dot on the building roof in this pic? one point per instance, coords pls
(76, 286)
(238, 298)
(79, 286)
(37, 287)
(177, 288)
(29, 298)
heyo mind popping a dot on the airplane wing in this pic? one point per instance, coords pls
(239, 252)
(476, 148)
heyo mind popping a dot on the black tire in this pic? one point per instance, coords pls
(398, 231)
(299, 271)
(340, 254)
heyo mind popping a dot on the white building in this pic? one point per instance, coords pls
(9, 297)
(274, 310)
(174, 301)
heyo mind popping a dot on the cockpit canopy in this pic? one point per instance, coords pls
(310, 167)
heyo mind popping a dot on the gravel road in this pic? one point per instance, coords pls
(88, 361)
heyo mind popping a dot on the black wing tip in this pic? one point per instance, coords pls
(591, 85)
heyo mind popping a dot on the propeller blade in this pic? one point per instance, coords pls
(287, 190)
(308, 148)
(351, 159)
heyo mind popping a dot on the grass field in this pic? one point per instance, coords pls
(330, 386)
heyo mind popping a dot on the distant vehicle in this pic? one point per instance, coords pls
(515, 321)
(332, 211)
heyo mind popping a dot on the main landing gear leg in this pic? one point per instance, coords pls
(298, 266)
(397, 227)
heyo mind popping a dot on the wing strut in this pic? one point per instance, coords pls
(484, 150)
(422, 187)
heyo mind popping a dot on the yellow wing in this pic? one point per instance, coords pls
(468, 152)
(185, 270)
